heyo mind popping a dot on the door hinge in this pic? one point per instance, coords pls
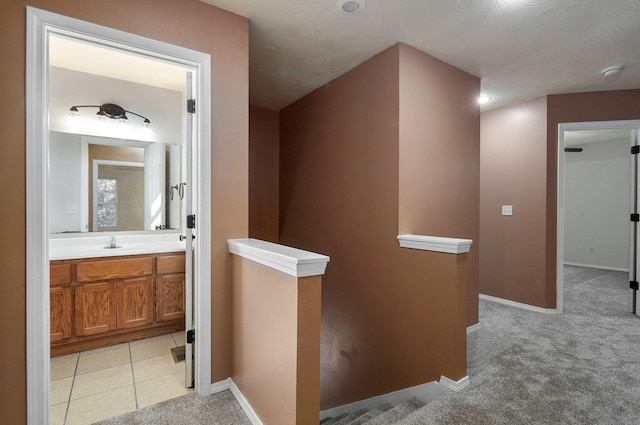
(635, 150)
(635, 217)
(633, 285)
(191, 106)
(191, 221)
(191, 336)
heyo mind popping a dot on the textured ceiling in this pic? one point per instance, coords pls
(521, 49)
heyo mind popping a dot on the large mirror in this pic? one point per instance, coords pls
(100, 184)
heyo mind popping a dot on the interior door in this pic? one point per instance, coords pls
(635, 221)
(189, 234)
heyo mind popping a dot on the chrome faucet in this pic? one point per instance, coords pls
(112, 242)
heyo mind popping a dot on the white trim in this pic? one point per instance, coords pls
(425, 392)
(597, 266)
(220, 386)
(518, 305)
(244, 404)
(203, 232)
(39, 24)
(473, 328)
(292, 261)
(562, 127)
(435, 243)
(455, 385)
(37, 144)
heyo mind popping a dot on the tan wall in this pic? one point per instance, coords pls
(264, 175)
(187, 23)
(276, 342)
(440, 155)
(518, 258)
(391, 317)
(513, 172)
(577, 107)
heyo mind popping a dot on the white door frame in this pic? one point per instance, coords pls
(562, 127)
(40, 24)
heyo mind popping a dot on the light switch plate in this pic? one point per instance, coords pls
(507, 210)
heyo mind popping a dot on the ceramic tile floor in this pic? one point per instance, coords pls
(98, 384)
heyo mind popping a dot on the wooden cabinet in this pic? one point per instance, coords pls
(60, 313)
(170, 297)
(102, 301)
(135, 302)
(170, 288)
(60, 305)
(95, 305)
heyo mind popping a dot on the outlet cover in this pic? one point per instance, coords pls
(507, 210)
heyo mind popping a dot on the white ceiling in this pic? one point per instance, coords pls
(578, 138)
(521, 49)
(92, 58)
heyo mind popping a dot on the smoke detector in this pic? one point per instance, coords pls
(612, 71)
(351, 7)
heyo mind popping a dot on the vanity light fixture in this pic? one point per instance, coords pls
(110, 110)
(351, 7)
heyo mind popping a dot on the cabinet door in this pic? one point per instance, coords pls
(95, 308)
(60, 310)
(135, 302)
(170, 297)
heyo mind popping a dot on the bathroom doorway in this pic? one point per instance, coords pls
(42, 119)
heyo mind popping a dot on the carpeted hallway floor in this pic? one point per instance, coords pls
(582, 367)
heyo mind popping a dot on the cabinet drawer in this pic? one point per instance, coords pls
(59, 274)
(170, 264)
(114, 269)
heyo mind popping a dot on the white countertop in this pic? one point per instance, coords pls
(90, 246)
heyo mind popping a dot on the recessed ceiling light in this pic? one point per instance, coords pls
(483, 99)
(350, 7)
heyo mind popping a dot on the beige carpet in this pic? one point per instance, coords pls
(190, 409)
(582, 367)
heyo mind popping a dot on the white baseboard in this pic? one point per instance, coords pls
(596, 266)
(242, 401)
(473, 328)
(425, 392)
(218, 387)
(518, 305)
(455, 385)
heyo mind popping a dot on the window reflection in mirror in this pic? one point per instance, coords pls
(100, 184)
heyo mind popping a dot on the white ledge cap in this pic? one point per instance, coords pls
(435, 243)
(292, 261)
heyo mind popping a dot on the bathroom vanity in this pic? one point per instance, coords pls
(101, 301)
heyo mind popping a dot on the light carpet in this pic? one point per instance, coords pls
(581, 367)
(190, 409)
